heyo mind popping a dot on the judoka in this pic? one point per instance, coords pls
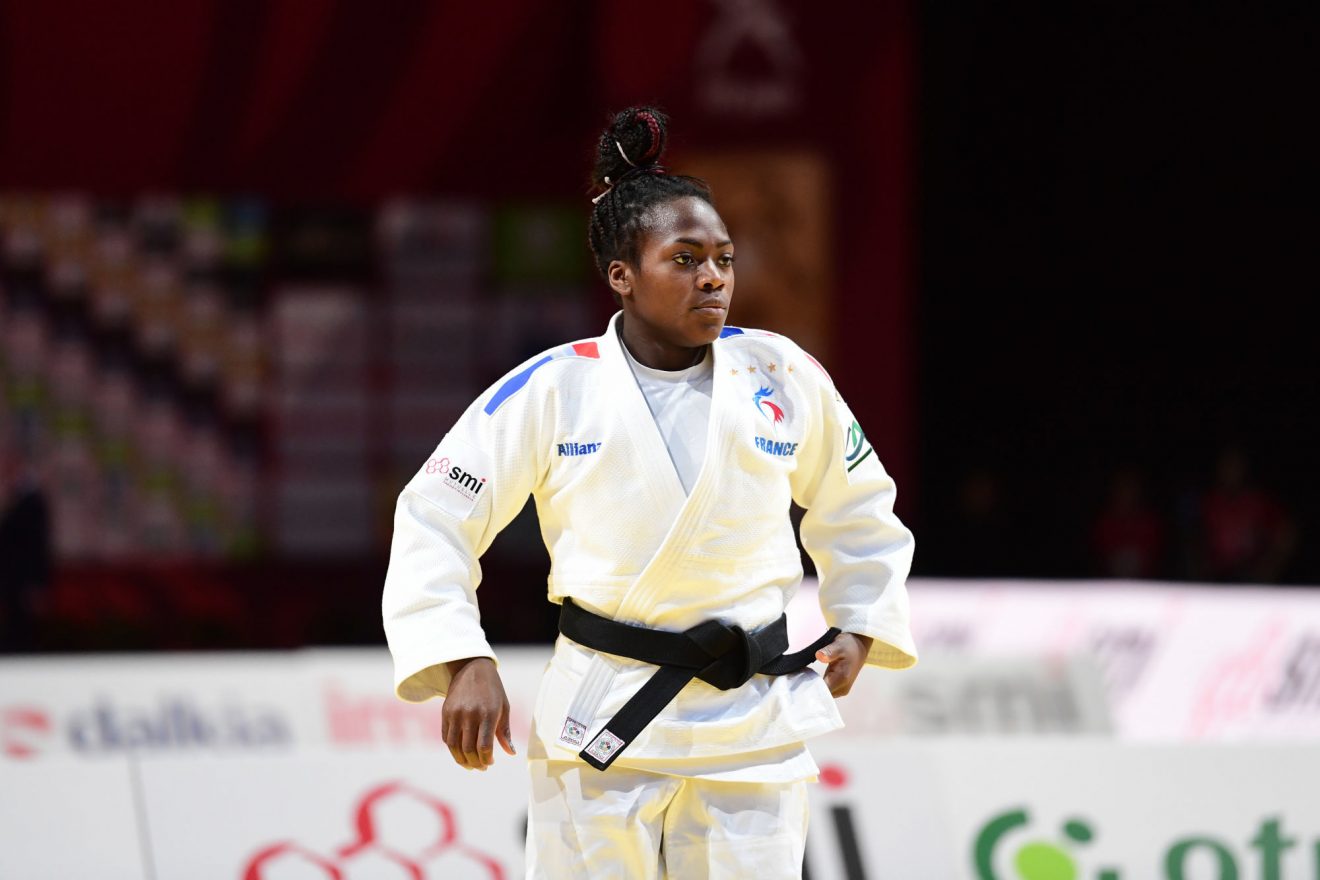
(669, 732)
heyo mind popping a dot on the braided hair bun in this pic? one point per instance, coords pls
(627, 168)
(634, 141)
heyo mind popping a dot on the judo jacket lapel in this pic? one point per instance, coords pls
(664, 490)
(664, 497)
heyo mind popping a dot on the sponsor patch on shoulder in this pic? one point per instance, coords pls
(455, 477)
(856, 448)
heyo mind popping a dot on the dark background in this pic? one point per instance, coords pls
(1116, 249)
(1066, 239)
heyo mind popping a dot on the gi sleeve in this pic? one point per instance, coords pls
(475, 482)
(861, 550)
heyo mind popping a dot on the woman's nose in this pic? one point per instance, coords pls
(710, 277)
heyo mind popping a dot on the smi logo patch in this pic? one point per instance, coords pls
(455, 477)
(465, 483)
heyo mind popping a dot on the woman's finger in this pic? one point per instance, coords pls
(486, 742)
(471, 724)
(503, 733)
(453, 741)
(839, 676)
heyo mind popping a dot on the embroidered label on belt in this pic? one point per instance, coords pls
(604, 746)
(581, 712)
(572, 733)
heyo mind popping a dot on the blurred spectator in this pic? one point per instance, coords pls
(1128, 535)
(1245, 534)
(25, 552)
(977, 539)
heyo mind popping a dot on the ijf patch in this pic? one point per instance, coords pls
(604, 746)
(573, 733)
(455, 477)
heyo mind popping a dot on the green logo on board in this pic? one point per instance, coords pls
(1057, 858)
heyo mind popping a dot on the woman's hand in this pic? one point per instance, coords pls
(844, 658)
(475, 714)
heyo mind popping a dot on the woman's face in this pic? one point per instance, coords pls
(678, 293)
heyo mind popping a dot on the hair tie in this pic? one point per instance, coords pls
(635, 171)
(623, 154)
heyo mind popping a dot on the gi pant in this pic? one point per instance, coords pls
(633, 825)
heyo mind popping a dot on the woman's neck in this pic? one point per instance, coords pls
(651, 352)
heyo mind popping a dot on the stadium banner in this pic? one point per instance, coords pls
(1179, 663)
(1007, 809)
(341, 701)
(1145, 662)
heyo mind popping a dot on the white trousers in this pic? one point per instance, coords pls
(634, 825)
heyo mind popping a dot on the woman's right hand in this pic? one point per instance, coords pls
(475, 713)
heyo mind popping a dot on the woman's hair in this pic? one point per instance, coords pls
(628, 168)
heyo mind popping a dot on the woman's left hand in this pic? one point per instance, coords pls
(844, 658)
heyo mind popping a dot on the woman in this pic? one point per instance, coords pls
(663, 456)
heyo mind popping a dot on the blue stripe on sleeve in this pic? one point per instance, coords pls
(730, 331)
(514, 385)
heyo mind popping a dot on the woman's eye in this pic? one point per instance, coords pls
(683, 259)
(726, 259)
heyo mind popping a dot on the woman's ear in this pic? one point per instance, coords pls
(621, 277)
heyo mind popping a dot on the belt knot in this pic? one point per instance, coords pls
(735, 655)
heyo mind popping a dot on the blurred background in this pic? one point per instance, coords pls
(256, 257)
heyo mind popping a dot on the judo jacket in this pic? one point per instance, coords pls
(571, 428)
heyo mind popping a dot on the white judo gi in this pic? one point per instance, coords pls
(571, 428)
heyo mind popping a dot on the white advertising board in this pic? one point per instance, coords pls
(341, 700)
(1180, 663)
(1026, 809)
(62, 818)
(1069, 809)
(303, 764)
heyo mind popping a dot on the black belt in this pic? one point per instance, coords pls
(718, 654)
